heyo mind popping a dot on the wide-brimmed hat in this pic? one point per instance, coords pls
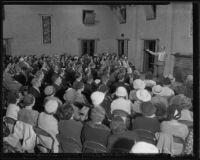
(143, 95)
(157, 90)
(121, 92)
(97, 98)
(138, 84)
(147, 108)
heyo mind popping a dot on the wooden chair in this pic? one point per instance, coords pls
(40, 132)
(93, 147)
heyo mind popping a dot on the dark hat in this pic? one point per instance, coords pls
(147, 109)
(28, 99)
(78, 85)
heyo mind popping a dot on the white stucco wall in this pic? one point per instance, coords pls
(171, 27)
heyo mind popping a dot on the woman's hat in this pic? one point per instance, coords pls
(70, 95)
(97, 98)
(181, 101)
(147, 108)
(49, 90)
(138, 84)
(143, 95)
(51, 106)
(157, 90)
(121, 92)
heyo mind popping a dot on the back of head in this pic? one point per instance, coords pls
(28, 100)
(97, 114)
(144, 148)
(117, 125)
(147, 108)
(65, 112)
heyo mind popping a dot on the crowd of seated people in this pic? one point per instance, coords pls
(99, 104)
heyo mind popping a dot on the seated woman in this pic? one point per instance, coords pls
(147, 124)
(69, 131)
(49, 123)
(94, 130)
(27, 114)
(121, 139)
(175, 128)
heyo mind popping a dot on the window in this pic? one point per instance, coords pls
(150, 12)
(123, 15)
(46, 29)
(88, 17)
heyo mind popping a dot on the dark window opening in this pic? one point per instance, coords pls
(88, 17)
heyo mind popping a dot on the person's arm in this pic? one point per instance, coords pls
(153, 53)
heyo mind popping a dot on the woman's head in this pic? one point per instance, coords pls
(65, 112)
(97, 114)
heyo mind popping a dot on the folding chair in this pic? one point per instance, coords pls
(40, 132)
(93, 147)
(189, 124)
(146, 135)
(70, 142)
(10, 122)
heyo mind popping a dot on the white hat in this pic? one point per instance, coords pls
(157, 90)
(138, 84)
(143, 95)
(121, 92)
(97, 98)
(149, 83)
(144, 147)
(97, 81)
(167, 92)
(121, 104)
(21, 59)
(51, 106)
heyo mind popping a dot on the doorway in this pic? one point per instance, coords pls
(123, 47)
(149, 60)
(88, 47)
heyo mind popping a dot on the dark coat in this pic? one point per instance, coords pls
(68, 129)
(95, 132)
(38, 99)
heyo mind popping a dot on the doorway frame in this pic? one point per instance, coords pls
(80, 44)
(143, 52)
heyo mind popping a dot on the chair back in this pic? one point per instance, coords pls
(189, 124)
(10, 121)
(40, 132)
(69, 142)
(94, 147)
(146, 135)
